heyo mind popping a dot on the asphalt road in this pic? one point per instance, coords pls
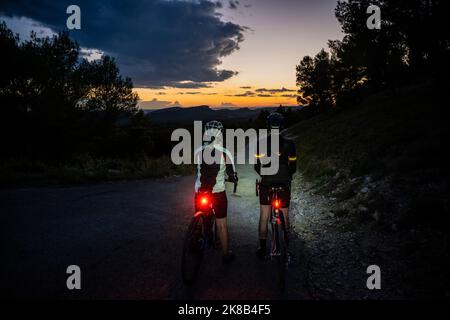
(127, 237)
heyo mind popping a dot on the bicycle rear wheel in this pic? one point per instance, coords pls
(279, 234)
(193, 249)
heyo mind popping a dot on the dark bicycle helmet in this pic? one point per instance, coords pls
(275, 121)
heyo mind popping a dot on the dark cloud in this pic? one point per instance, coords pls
(245, 94)
(274, 90)
(233, 4)
(246, 87)
(265, 95)
(197, 92)
(158, 43)
(188, 85)
(289, 95)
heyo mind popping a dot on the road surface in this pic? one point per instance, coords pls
(127, 237)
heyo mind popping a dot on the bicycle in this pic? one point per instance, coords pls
(200, 236)
(278, 249)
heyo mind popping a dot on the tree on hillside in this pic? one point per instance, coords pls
(378, 56)
(9, 44)
(413, 38)
(315, 79)
(54, 104)
(107, 90)
(412, 45)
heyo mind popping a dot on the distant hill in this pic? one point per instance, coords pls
(204, 113)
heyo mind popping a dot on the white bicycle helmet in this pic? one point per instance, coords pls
(213, 129)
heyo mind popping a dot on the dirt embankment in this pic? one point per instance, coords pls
(373, 190)
(340, 244)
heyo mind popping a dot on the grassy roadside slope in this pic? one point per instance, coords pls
(383, 168)
(400, 140)
(396, 135)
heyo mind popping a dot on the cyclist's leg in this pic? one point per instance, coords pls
(264, 215)
(265, 207)
(263, 225)
(220, 209)
(286, 199)
(222, 231)
(286, 223)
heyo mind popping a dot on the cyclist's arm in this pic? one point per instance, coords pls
(257, 165)
(230, 168)
(231, 173)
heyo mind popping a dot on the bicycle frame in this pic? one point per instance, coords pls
(204, 221)
(278, 248)
(276, 220)
(206, 210)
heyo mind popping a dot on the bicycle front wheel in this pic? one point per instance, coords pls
(193, 249)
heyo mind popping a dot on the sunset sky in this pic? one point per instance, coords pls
(217, 53)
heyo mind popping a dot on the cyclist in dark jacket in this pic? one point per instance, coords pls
(287, 167)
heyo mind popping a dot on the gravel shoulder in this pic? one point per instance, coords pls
(339, 245)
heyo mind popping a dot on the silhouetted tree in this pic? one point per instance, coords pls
(315, 79)
(55, 104)
(411, 45)
(107, 90)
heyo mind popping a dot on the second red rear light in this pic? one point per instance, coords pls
(277, 204)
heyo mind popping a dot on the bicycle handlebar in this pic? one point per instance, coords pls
(234, 181)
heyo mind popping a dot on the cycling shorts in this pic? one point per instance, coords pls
(265, 195)
(220, 204)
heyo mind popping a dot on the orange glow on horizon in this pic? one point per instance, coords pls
(213, 97)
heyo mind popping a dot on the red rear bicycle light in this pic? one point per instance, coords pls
(276, 204)
(203, 201)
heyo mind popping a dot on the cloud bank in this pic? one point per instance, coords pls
(156, 42)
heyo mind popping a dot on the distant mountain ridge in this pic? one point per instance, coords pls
(203, 113)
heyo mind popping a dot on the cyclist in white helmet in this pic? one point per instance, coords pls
(213, 162)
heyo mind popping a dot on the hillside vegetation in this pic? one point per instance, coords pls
(399, 139)
(382, 170)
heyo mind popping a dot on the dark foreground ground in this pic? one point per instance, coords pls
(127, 238)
